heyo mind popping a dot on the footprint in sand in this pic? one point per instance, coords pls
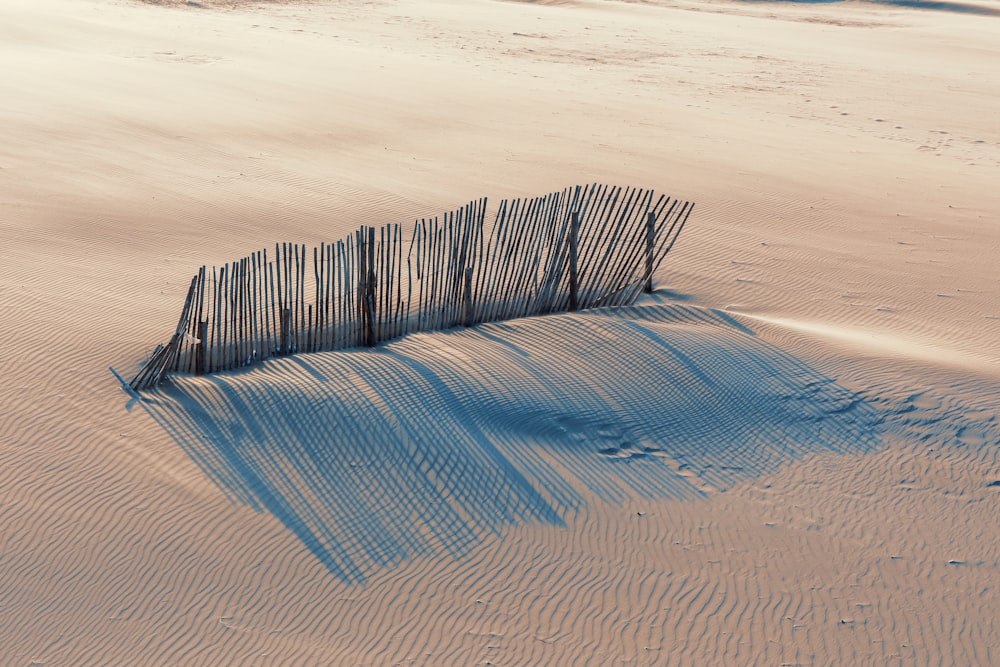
(971, 435)
(631, 452)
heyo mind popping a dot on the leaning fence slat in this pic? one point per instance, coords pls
(487, 286)
(682, 216)
(574, 278)
(650, 249)
(627, 255)
(512, 261)
(217, 321)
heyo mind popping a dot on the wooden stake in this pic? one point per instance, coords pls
(286, 331)
(468, 297)
(574, 278)
(369, 323)
(650, 247)
(200, 366)
(272, 314)
(214, 364)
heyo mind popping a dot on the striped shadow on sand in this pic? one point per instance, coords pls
(426, 444)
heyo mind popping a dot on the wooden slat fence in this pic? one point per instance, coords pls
(584, 247)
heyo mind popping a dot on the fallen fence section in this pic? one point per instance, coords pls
(584, 247)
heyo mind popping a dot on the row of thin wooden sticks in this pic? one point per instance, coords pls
(583, 247)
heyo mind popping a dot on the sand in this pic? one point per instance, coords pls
(786, 455)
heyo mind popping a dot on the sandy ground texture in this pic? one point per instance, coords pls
(787, 455)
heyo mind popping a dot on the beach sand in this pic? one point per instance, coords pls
(786, 455)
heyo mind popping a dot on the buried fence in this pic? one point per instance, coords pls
(584, 247)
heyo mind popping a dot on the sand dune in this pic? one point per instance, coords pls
(787, 455)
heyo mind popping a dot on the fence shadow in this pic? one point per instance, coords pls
(426, 444)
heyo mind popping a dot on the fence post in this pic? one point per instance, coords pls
(369, 320)
(199, 364)
(310, 338)
(468, 297)
(650, 243)
(574, 251)
(286, 325)
(370, 288)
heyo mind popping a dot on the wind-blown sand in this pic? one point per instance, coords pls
(787, 455)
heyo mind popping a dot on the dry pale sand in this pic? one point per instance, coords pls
(788, 455)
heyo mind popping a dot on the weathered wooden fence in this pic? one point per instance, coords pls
(584, 247)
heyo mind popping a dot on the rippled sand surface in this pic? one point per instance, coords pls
(788, 454)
